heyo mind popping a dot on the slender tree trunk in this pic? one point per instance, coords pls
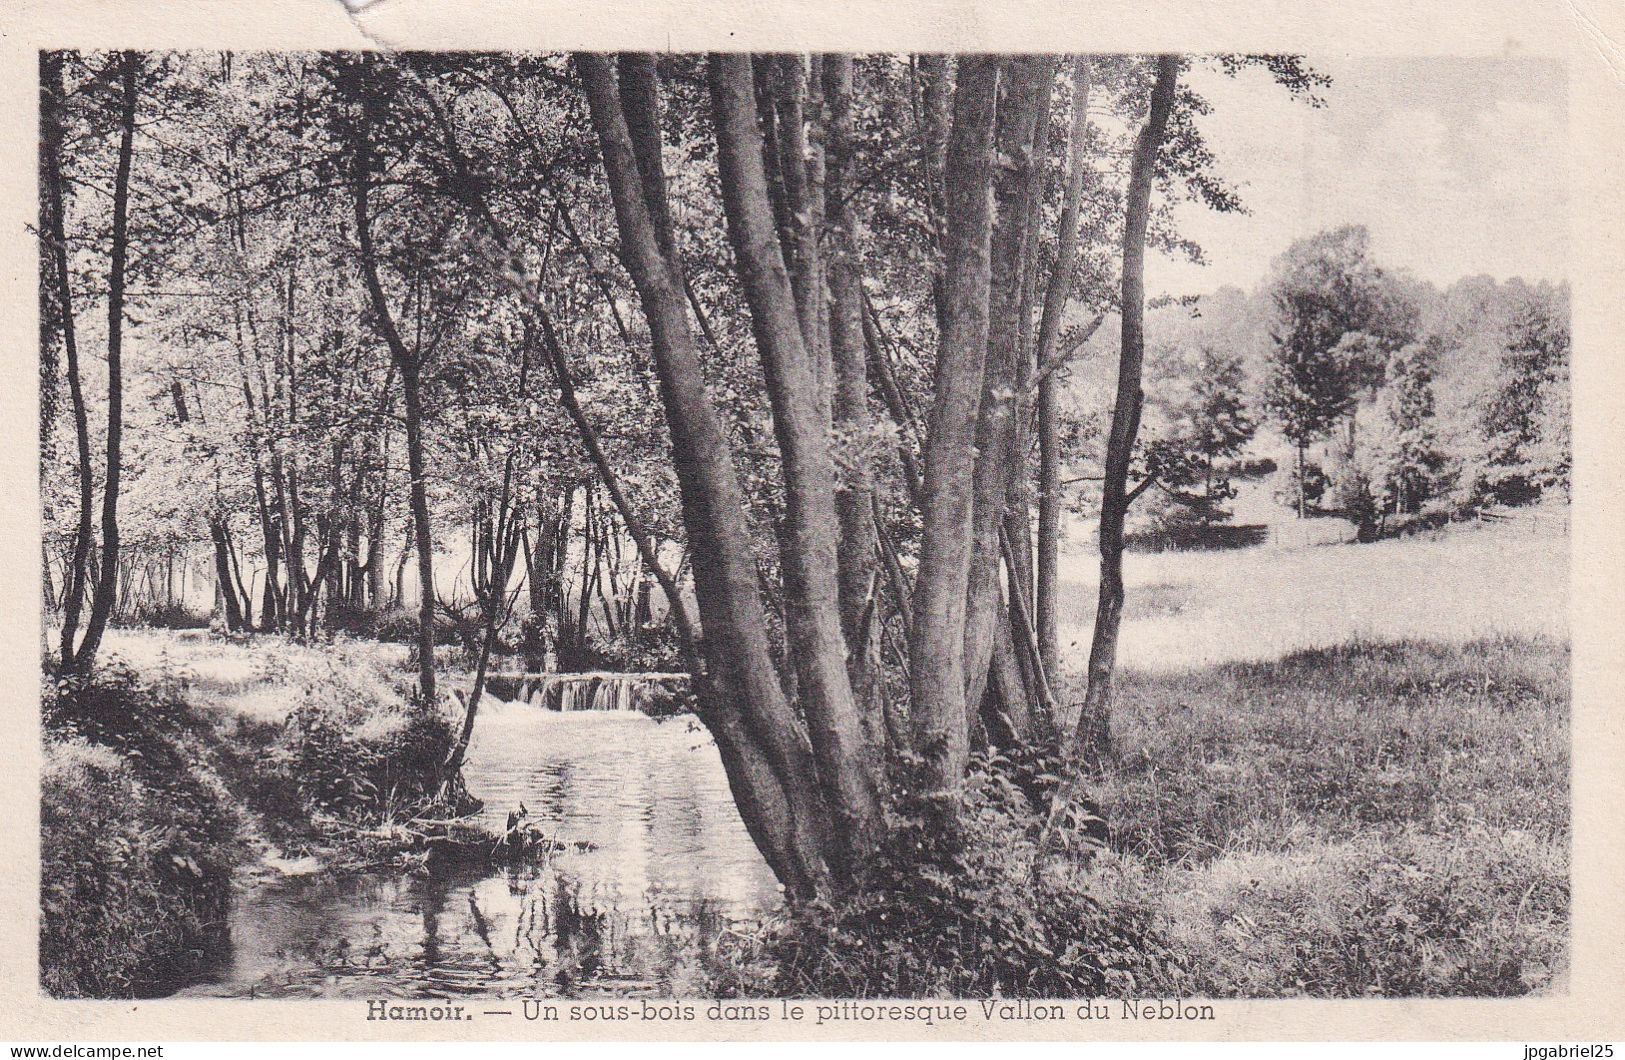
(935, 120)
(101, 605)
(939, 719)
(764, 752)
(493, 604)
(1092, 735)
(858, 571)
(375, 530)
(1049, 420)
(809, 567)
(1303, 503)
(406, 362)
(53, 224)
(1024, 99)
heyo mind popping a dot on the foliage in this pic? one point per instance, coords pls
(1525, 422)
(959, 902)
(137, 837)
(1407, 459)
(1337, 314)
(358, 751)
(1288, 489)
(1201, 420)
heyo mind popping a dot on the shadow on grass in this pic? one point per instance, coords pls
(1218, 537)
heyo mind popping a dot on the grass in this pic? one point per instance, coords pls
(1330, 744)
(1193, 609)
(1343, 770)
(1338, 771)
(1385, 818)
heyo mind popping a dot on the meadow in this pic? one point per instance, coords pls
(1344, 769)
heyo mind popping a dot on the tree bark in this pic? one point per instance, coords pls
(1091, 738)
(939, 719)
(808, 565)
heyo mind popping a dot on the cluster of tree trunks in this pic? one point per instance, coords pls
(804, 748)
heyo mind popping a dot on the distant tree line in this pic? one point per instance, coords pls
(1397, 403)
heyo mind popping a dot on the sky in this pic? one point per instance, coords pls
(1458, 166)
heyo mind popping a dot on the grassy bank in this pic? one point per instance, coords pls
(181, 760)
(138, 837)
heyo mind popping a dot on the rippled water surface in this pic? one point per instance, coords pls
(670, 867)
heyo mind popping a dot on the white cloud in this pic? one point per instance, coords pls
(1457, 168)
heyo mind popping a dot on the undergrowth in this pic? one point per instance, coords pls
(137, 835)
(959, 902)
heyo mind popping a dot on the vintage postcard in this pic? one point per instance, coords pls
(773, 521)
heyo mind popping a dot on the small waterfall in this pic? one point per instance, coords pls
(598, 691)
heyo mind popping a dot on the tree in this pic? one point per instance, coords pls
(1201, 399)
(782, 324)
(1524, 423)
(1091, 735)
(1337, 316)
(936, 649)
(408, 362)
(1408, 452)
(763, 747)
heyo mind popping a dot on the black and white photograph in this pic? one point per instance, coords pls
(583, 531)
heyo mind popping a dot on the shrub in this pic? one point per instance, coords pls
(958, 902)
(164, 616)
(1286, 484)
(361, 752)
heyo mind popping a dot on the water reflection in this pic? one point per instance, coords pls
(669, 868)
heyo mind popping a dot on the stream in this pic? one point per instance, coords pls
(669, 867)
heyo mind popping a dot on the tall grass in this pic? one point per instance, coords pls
(138, 835)
(1383, 818)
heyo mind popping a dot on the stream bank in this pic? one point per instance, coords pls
(637, 862)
